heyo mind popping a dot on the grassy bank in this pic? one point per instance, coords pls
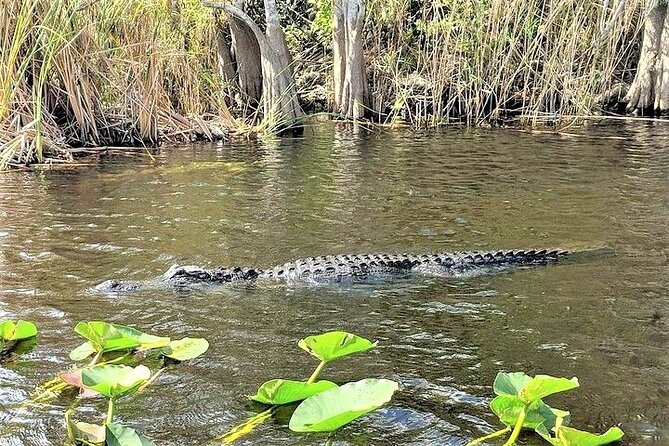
(130, 72)
(121, 72)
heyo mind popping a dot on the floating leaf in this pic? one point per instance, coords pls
(73, 378)
(543, 385)
(531, 389)
(283, 391)
(185, 349)
(115, 380)
(106, 337)
(118, 435)
(329, 410)
(334, 345)
(508, 407)
(510, 383)
(568, 436)
(10, 331)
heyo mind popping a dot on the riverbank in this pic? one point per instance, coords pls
(131, 73)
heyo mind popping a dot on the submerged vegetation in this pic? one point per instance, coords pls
(128, 72)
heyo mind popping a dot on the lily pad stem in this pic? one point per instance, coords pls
(151, 380)
(95, 359)
(516, 429)
(479, 440)
(317, 372)
(110, 411)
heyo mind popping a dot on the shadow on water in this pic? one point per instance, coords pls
(603, 319)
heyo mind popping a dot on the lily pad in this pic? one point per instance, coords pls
(329, 410)
(185, 349)
(531, 389)
(508, 407)
(115, 380)
(106, 337)
(10, 331)
(118, 435)
(283, 391)
(334, 345)
(568, 436)
(73, 378)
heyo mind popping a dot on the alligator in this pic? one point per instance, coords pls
(342, 268)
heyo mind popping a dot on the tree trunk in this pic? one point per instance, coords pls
(281, 109)
(247, 54)
(350, 77)
(649, 92)
(226, 66)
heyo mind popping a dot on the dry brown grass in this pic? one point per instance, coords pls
(113, 72)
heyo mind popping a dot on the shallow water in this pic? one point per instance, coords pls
(603, 319)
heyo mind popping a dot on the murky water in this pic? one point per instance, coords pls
(604, 319)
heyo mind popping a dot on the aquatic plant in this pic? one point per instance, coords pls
(129, 347)
(117, 380)
(13, 332)
(112, 381)
(519, 405)
(325, 406)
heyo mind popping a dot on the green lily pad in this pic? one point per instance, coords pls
(531, 389)
(10, 331)
(115, 380)
(329, 410)
(106, 337)
(508, 407)
(185, 349)
(334, 345)
(283, 391)
(568, 436)
(118, 435)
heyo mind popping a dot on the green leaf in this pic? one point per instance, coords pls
(10, 331)
(531, 389)
(329, 410)
(106, 337)
(334, 345)
(115, 380)
(82, 352)
(283, 391)
(185, 349)
(118, 435)
(568, 436)
(510, 383)
(543, 385)
(508, 407)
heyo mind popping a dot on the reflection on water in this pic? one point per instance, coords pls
(603, 320)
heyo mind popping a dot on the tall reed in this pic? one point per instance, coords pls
(481, 61)
(91, 73)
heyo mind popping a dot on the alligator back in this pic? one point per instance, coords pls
(448, 264)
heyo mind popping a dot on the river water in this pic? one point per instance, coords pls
(604, 319)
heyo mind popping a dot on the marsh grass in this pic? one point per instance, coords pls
(90, 73)
(485, 61)
(95, 73)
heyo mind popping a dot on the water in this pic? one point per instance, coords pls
(604, 319)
